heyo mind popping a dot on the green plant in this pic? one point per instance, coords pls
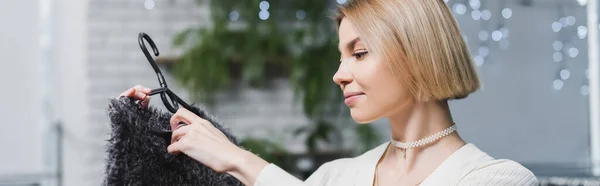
(264, 149)
(298, 39)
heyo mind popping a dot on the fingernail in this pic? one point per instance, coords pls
(140, 94)
(147, 89)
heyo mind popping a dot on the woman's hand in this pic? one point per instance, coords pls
(139, 93)
(200, 140)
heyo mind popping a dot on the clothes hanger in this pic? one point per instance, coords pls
(165, 93)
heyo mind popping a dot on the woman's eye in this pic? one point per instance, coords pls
(360, 55)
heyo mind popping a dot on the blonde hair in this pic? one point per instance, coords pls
(420, 42)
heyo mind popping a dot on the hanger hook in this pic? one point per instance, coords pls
(141, 37)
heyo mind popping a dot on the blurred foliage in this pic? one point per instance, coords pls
(298, 39)
(368, 137)
(265, 149)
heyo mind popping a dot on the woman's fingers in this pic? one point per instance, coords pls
(176, 119)
(176, 148)
(144, 103)
(179, 133)
(143, 89)
(187, 117)
(140, 92)
(137, 92)
(180, 140)
(127, 93)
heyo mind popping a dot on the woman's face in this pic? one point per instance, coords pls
(370, 89)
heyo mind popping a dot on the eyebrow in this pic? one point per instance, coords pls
(351, 44)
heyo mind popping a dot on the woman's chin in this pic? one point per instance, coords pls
(362, 117)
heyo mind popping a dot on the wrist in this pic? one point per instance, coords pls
(246, 166)
(238, 161)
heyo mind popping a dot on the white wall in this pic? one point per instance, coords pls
(42, 86)
(71, 38)
(21, 93)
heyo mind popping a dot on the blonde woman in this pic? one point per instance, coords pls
(400, 59)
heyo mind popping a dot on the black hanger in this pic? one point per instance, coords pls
(164, 91)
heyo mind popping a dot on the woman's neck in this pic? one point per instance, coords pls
(418, 120)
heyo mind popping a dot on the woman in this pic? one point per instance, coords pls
(400, 59)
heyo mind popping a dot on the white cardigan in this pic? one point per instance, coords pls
(467, 166)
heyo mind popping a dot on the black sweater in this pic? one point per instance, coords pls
(137, 157)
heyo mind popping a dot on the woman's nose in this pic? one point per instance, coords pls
(342, 76)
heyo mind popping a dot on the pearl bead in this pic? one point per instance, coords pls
(425, 141)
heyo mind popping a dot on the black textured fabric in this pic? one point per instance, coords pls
(137, 157)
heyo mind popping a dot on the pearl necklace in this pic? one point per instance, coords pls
(424, 141)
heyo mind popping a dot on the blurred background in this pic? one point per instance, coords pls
(264, 69)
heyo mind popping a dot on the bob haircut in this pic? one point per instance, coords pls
(420, 42)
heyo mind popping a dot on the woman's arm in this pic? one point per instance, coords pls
(254, 171)
(247, 167)
(200, 140)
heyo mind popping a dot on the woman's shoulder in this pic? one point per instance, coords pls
(500, 172)
(346, 168)
(486, 170)
(365, 158)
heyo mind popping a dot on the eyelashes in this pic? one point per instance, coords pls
(360, 55)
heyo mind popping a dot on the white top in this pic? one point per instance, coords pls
(466, 166)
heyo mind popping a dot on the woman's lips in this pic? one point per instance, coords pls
(352, 97)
